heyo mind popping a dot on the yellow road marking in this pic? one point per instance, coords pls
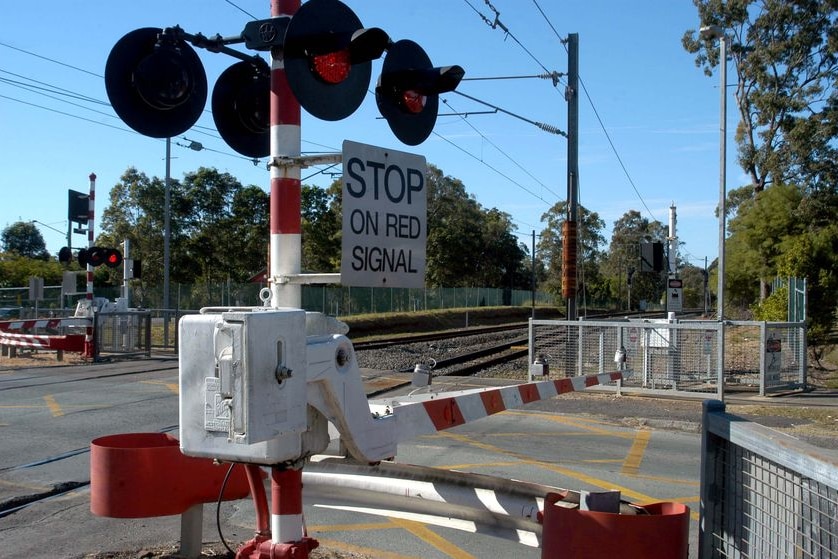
(352, 527)
(635, 496)
(359, 550)
(173, 386)
(53, 406)
(631, 465)
(668, 479)
(590, 426)
(432, 538)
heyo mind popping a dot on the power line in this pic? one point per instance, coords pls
(51, 60)
(242, 10)
(502, 152)
(599, 119)
(497, 23)
(510, 179)
(66, 114)
(49, 87)
(546, 127)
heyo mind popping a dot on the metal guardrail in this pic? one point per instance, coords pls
(763, 493)
(677, 356)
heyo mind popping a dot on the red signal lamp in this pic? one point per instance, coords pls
(414, 101)
(408, 90)
(328, 58)
(333, 67)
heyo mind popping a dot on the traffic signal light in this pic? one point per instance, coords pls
(651, 257)
(78, 207)
(96, 256)
(241, 107)
(155, 82)
(328, 58)
(408, 91)
(65, 255)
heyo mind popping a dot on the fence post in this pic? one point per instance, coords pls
(720, 353)
(708, 517)
(762, 358)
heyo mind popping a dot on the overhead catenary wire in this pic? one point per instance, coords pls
(496, 23)
(198, 129)
(598, 117)
(502, 152)
(546, 127)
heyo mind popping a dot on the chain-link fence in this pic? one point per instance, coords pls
(764, 494)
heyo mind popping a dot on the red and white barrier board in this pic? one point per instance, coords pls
(15, 325)
(71, 342)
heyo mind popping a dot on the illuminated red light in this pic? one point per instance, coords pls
(414, 102)
(332, 67)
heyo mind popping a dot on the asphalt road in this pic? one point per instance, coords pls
(48, 416)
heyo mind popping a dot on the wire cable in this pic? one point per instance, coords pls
(242, 10)
(601, 123)
(502, 152)
(218, 506)
(51, 60)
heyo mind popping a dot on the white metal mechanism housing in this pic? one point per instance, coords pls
(243, 385)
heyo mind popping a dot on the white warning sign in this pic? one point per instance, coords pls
(384, 217)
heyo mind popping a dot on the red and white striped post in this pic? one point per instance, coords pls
(285, 260)
(285, 246)
(88, 334)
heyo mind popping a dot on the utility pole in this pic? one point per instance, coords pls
(570, 239)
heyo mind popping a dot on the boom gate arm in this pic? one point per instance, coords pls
(260, 385)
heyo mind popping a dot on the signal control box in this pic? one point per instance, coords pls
(243, 384)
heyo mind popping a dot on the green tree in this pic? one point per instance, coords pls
(507, 257)
(785, 58)
(136, 212)
(623, 254)
(24, 239)
(455, 220)
(15, 270)
(249, 228)
(759, 231)
(321, 228)
(812, 255)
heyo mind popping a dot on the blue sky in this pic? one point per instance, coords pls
(660, 111)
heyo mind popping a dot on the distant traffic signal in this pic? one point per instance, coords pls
(96, 256)
(78, 207)
(408, 91)
(65, 255)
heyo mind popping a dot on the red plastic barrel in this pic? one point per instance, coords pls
(663, 532)
(140, 475)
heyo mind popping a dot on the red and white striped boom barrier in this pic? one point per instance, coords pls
(72, 342)
(40, 323)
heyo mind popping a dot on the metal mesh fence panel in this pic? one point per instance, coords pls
(765, 498)
(123, 333)
(659, 355)
(680, 356)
